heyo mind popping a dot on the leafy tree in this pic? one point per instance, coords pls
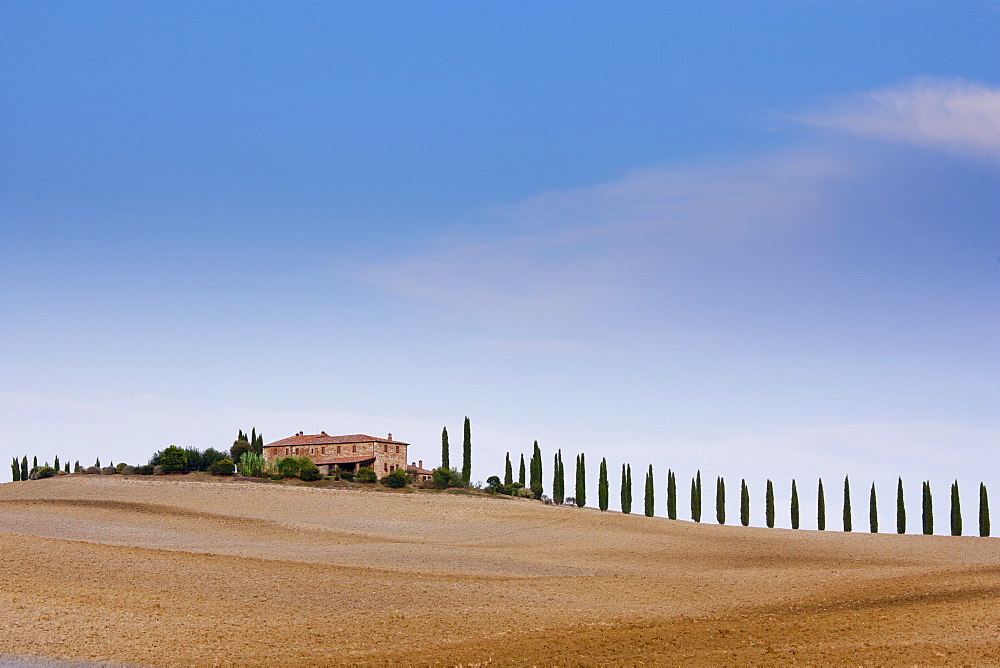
(795, 506)
(508, 472)
(24, 467)
(927, 516)
(720, 500)
(956, 511)
(848, 525)
(493, 484)
(984, 511)
(671, 495)
(872, 511)
(558, 480)
(194, 459)
(581, 481)
(445, 449)
(467, 454)
(211, 455)
(443, 478)
(900, 509)
(173, 460)
(602, 486)
(820, 507)
(626, 489)
(769, 505)
(520, 473)
(649, 505)
(287, 466)
(251, 464)
(536, 472)
(744, 503)
(238, 448)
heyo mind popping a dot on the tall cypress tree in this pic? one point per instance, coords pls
(508, 472)
(697, 479)
(744, 503)
(467, 453)
(15, 470)
(671, 495)
(720, 500)
(795, 506)
(820, 507)
(927, 516)
(558, 480)
(55, 464)
(536, 472)
(956, 511)
(872, 511)
(626, 490)
(649, 505)
(900, 508)
(769, 505)
(34, 462)
(984, 511)
(446, 450)
(602, 486)
(520, 471)
(581, 481)
(24, 467)
(848, 524)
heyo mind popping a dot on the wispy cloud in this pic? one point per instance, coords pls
(956, 116)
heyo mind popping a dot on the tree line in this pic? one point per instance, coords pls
(534, 484)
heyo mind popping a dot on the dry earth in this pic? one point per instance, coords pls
(170, 571)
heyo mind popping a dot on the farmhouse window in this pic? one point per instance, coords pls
(323, 451)
(338, 449)
(397, 449)
(288, 451)
(385, 467)
(354, 448)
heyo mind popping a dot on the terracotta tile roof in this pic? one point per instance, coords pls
(345, 460)
(324, 439)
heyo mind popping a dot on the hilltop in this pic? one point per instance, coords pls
(171, 571)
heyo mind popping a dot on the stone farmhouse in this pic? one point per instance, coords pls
(348, 453)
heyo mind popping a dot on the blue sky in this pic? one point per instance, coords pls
(759, 239)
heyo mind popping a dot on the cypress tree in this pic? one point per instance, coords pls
(15, 471)
(900, 508)
(602, 486)
(769, 505)
(744, 503)
(24, 467)
(55, 464)
(76, 466)
(626, 490)
(984, 511)
(671, 495)
(720, 500)
(581, 481)
(467, 454)
(820, 507)
(97, 462)
(649, 493)
(927, 516)
(795, 506)
(508, 472)
(34, 462)
(558, 480)
(698, 496)
(445, 449)
(872, 511)
(67, 467)
(956, 511)
(520, 471)
(536, 472)
(848, 524)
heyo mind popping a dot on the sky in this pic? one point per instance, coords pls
(757, 239)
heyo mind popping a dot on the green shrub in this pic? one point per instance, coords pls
(288, 466)
(346, 475)
(173, 460)
(44, 472)
(222, 467)
(397, 479)
(128, 470)
(144, 470)
(308, 471)
(444, 478)
(251, 464)
(525, 492)
(119, 466)
(92, 470)
(210, 456)
(366, 474)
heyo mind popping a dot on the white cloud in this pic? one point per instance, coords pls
(956, 116)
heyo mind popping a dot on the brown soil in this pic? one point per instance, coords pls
(168, 571)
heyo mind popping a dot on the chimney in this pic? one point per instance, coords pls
(420, 464)
(390, 435)
(323, 433)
